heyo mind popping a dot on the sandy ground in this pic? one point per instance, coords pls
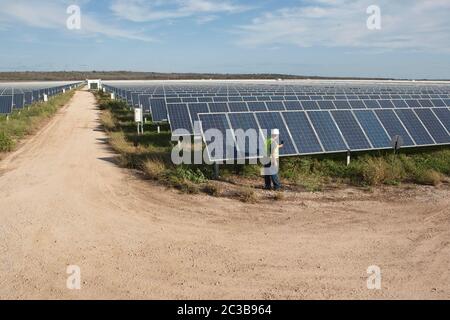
(63, 202)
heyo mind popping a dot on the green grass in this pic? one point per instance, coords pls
(28, 120)
(151, 153)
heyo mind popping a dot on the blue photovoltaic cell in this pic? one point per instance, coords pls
(426, 103)
(372, 104)
(309, 105)
(373, 128)
(5, 104)
(357, 104)
(433, 125)
(195, 109)
(144, 101)
(414, 126)
(189, 100)
(273, 120)
(135, 99)
(302, 132)
(275, 106)
(245, 122)
(205, 99)
(218, 107)
(327, 131)
(351, 130)
(438, 102)
(326, 105)
(173, 100)
(386, 104)
(444, 116)
(179, 118)
(158, 110)
(399, 103)
(257, 106)
(393, 125)
(413, 103)
(293, 105)
(218, 122)
(238, 107)
(235, 99)
(28, 98)
(19, 100)
(220, 99)
(342, 104)
(447, 102)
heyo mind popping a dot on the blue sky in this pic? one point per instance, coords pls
(305, 37)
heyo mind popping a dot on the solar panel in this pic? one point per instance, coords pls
(415, 128)
(158, 110)
(373, 128)
(226, 149)
(444, 116)
(342, 104)
(327, 131)
(293, 105)
(6, 104)
(372, 104)
(275, 106)
(273, 120)
(256, 106)
(302, 132)
(218, 107)
(245, 122)
(357, 104)
(179, 119)
(238, 107)
(426, 103)
(393, 126)
(195, 109)
(326, 105)
(19, 100)
(350, 129)
(433, 125)
(309, 105)
(386, 104)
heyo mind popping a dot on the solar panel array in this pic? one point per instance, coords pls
(15, 96)
(312, 118)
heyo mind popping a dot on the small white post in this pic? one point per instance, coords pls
(348, 158)
(45, 97)
(113, 96)
(159, 129)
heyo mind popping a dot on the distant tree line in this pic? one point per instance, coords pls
(129, 75)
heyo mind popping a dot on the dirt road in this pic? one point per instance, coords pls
(63, 202)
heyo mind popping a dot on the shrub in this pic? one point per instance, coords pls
(107, 120)
(246, 195)
(154, 169)
(211, 189)
(428, 177)
(6, 143)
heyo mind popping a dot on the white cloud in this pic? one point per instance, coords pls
(50, 15)
(406, 24)
(153, 10)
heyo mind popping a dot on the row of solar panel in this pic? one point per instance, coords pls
(316, 132)
(300, 90)
(138, 100)
(11, 102)
(182, 114)
(133, 98)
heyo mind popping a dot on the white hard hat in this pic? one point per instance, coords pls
(275, 132)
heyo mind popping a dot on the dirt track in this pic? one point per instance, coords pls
(63, 202)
